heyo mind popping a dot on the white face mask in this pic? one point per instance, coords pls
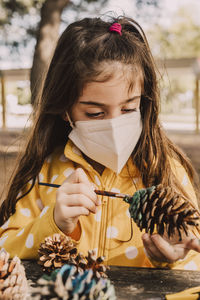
(109, 142)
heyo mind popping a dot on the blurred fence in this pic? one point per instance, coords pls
(7, 76)
(171, 68)
(181, 70)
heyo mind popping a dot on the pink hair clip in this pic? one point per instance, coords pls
(116, 27)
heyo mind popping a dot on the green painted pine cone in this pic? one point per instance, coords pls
(162, 209)
(66, 283)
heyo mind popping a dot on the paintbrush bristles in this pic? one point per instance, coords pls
(111, 194)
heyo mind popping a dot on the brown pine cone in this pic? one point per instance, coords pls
(56, 251)
(13, 282)
(80, 262)
(164, 209)
(96, 264)
(59, 250)
(83, 263)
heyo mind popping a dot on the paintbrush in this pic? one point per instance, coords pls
(98, 192)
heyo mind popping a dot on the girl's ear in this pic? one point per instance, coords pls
(65, 117)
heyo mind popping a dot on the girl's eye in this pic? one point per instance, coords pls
(129, 109)
(94, 115)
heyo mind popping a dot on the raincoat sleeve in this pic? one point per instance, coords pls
(23, 232)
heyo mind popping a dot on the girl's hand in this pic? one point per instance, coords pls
(75, 197)
(163, 249)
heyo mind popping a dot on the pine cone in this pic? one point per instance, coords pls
(56, 251)
(13, 282)
(79, 262)
(83, 263)
(163, 208)
(59, 250)
(96, 264)
(66, 283)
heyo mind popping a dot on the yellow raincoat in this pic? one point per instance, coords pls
(108, 231)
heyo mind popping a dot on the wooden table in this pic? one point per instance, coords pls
(138, 283)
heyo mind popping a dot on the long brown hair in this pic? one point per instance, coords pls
(81, 49)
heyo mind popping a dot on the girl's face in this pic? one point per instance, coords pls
(107, 100)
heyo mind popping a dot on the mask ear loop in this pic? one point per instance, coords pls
(131, 223)
(131, 220)
(131, 236)
(69, 119)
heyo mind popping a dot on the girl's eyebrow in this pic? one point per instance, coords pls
(102, 104)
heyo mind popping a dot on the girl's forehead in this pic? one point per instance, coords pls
(114, 91)
(115, 77)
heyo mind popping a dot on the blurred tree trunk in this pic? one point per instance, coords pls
(47, 36)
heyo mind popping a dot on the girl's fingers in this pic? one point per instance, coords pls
(193, 244)
(75, 211)
(80, 189)
(78, 183)
(78, 176)
(164, 250)
(171, 252)
(149, 253)
(80, 200)
(151, 248)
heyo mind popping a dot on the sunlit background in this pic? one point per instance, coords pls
(172, 28)
(30, 28)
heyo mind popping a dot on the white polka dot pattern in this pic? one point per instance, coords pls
(19, 194)
(41, 177)
(131, 252)
(97, 216)
(76, 150)
(2, 240)
(52, 181)
(54, 178)
(135, 180)
(49, 190)
(5, 225)
(29, 241)
(48, 159)
(20, 232)
(185, 180)
(128, 213)
(25, 212)
(63, 158)
(44, 211)
(68, 172)
(40, 204)
(191, 266)
(97, 181)
(112, 232)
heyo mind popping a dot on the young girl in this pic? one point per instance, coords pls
(97, 126)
